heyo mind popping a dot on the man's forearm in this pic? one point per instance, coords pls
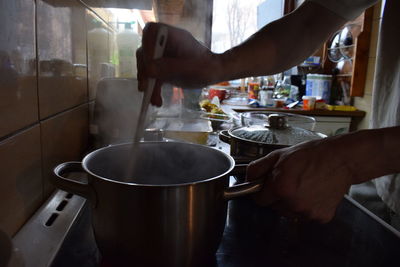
(369, 154)
(281, 44)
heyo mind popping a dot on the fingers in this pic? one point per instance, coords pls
(260, 168)
(148, 40)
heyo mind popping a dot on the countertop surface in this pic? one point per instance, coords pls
(316, 112)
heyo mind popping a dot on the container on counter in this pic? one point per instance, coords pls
(279, 103)
(98, 51)
(319, 86)
(127, 41)
(253, 88)
(218, 92)
(309, 102)
(266, 97)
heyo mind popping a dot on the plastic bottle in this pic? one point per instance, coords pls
(253, 87)
(266, 96)
(98, 49)
(127, 41)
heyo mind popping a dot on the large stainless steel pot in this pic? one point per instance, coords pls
(264, 132)
(171, 213)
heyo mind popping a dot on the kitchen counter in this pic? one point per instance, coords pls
(316, 112)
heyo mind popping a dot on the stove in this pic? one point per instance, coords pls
(60, 235)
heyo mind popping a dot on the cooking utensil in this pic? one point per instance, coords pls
(159, 47)
(266, 132)
(173, 212)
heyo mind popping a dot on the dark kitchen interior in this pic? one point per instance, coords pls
(68, 87)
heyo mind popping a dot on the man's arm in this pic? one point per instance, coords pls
(309, 180)
(281, 44)
(276, 47)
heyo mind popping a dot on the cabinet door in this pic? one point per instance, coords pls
(332, 125)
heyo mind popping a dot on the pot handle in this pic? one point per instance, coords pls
(69, 185)
(243, 189)
(224, 136)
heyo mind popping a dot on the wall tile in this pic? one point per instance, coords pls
(18, 85)
(64, 138)
(61, 40)
(20, 180)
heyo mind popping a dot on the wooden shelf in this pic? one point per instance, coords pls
(354, 70)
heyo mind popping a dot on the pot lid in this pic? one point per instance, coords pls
(276, 130)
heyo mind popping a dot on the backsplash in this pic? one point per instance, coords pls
(45, 100)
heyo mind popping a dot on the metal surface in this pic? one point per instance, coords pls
(240, 148)
(175, 198)
(243, 189)
(264, 132)
(256, 236)
(153, 134)
(41, 237)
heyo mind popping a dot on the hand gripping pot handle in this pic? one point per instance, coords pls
(69, 185)
(245, 188)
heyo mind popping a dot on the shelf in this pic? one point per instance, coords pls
(354, 67)
(341, 47)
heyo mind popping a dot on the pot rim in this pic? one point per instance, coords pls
(93, 153)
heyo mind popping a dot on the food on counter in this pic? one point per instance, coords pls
(320, 104)
(213, 111)
(210, 107)
(207, 105)
(341, 107)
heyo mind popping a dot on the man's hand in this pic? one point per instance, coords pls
(305, 181)
(309, 180)
(185, 63)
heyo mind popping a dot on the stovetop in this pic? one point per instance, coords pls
(256, 236)
(60, 235)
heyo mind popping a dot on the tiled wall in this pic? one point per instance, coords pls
(44, 99)
(364, 103)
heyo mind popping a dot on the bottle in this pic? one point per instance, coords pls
(253, 87)
(98, 49)
(127, 42)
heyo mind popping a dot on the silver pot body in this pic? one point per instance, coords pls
(171, 212)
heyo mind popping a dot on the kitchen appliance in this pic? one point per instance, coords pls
(174, 205)
(253, 236)
(264, 132)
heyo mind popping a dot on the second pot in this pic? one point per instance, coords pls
(260, 137)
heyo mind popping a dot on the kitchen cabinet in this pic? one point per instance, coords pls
(332, 125)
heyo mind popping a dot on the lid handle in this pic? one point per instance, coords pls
(277, 121)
